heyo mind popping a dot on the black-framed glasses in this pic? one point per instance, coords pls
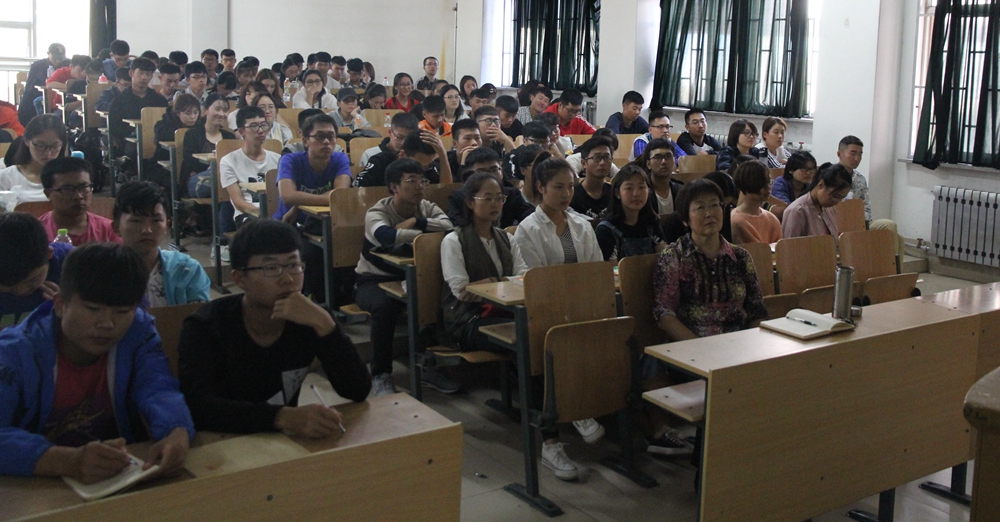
(324, 136)
(661, 127)
(70, 190)
(600, 158)
(314, 82)
(258, 127)
(47, 147)
(660, 158)
(277, 270)
(490, 122)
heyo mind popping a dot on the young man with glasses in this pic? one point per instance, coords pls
(403, 123)
(515, 207)
(243, 358)
(568, 109)
(430, 74)
(659, 160)
(249, 164)
(210, 58)
(392, 222)
(659, 129)
(488, 118)
(228, 60)
(592, 196)
(197, 79)
(67, 183)
(694, 140)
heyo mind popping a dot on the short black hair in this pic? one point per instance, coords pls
(228, 53)
(405, 120)
(834, 177)
(79, 60)
(375, 90)
(249, 112)
(798, 160)
(252, 60)
(262, 237)
(751, 177)
(355, 65)
(593, 143)
(655, 115)
(139, 197)
(318, 119)
(107, 274)
(460, 126)
(306, 114)
(485, 110)
(549, 119)
(169, 68)
(64, 165)
(226, 79)
(725, 183)
(397, 169)
(659, 143)
(243, 67)
(482, 155)
(322, 56)
(849, 140)
(119, 47)
(214, 97)
(414, 144)
(339, 60)
(194, 68)
(24, 246)
(429, 58)
(121, 73)
(143, 64)
(507, 103)
(690, 191)
(737, 161)
(210, 52)
(633, 97)
(434, 104)
(571, 97)
(609, 134)
(737, 128)
(483, 93)
(535, 130)
(540, 89)
(95, 67)
(178, 57)
(311, 59)
(691, 112)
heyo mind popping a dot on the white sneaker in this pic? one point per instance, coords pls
(589, 429)
(224, 249)
(383, 385)
(554, 458)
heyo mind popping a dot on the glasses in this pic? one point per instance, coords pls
(47, 147)
(324, 136)
(314, 82)
(661, 127)
(490, 122)
(260, 127)
(572, 111)
(423, 182)
(491, 199)
(659, 158)
(70, 190)
(277, 270)
(405, 85)
(600, 158)
(750, 134)
(707, 209)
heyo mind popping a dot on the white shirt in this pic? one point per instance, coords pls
(280, 132)
(453, 261)
(328, 101)
(156, 291)
(11, 177)
(665, 205)
(237, 167)
(332, 85)
(540, 246)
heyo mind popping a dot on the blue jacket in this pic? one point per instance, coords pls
(183, 278)
(142, 387)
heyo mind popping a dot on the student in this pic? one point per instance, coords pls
(368, 75)
(254, 64)
(129, 104)
(243, 357)
(290, 70)
(140, 218)
(44, 140)
(301, 146)
(658, 159)
(423, 146)
(210, 58)
(466, 137)
(76, 70)
(535, 134)
(308, 177)
(38, 72)
(196, 76)
(467, 84)
(426, 83)
(123, 82)
(269, 104)
(488, 118)
(563, 144)
(592, 196)
(395, 220)
(434, 109)
(170, 78)
(348, 114)
(375, 97)
(750, 223)
(772, 149)
(32, 266)
(402, 88)
(575, 159)
(228, 60)
(478, 98)
(67, 184)
(730, 195)
(184, 113)
(248, 165)
(402, 125)
(742, 137)
(119, 58)
(269, 79)
(477, 251)
(313, 94)
(659, 129)
(337, 66)
(694, 140)
(9, 120)
(245, 73)
(791, 185)
(84, 375)
(453, 110)
(814, 214)
(628, 121)
(178, 58)
(355, 70)
(521, 162)
(514, 208)
(568, 109)
(540, 97)
(849, 154)
(225, 86)
(201, 139)
(509, 124)
(246, 97)
(523, 99)
(631, 227)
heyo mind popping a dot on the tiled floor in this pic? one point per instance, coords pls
(493, 459)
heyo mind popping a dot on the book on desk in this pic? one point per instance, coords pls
(806, 324)
(129, 476)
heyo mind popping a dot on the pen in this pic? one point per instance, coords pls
(322, 400)
(803, 321)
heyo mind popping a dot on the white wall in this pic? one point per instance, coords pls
(159, 26)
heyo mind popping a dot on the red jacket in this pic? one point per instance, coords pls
(8, 118)
(577, 125)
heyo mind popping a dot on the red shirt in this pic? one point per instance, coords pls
(577, 125)
(82, 410)
(61, 75)
(393, 103)
(98, 230)
(8, 118)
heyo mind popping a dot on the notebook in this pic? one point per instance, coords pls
(805, 324)
(109, 486)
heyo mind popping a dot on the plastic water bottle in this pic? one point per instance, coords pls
(287, 95)
(62, 236)
(77, 154)
(385, 81)
(387, 122)
(102, 80)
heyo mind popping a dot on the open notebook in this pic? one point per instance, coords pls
(805, 324)
(109, 486)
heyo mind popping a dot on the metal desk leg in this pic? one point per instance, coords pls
(886, 506)
(413, 327)
(175, 200)
(138, 152)
(217, 248)
(263, 207)
(529, 491)
(955, 492)
(328, 262)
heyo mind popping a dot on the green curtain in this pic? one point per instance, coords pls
(958, 120)
(737, 56)
(556, 42)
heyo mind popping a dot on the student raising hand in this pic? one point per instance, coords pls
(297, 308)
(169, 453)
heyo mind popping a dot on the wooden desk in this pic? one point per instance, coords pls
(504, 293)
(325, 242)
(315, 211)
(394, 446)
(260, 188)
(825, 422)
(396, 261)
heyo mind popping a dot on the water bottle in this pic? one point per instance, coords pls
(63, 237)
(295, 84)
(843, 288)
(387, 122)
(77, 154)
(102, 80)
(287, 95)
(385, 81)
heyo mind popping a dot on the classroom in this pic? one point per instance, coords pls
(442, 223)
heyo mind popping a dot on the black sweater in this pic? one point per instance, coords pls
(233, 385)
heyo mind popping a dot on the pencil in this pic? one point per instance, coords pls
(323, 401)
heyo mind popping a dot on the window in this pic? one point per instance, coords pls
(555, 42)
(27, 27)
(16, 29)
(955, 84)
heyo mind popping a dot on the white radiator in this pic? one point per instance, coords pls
(965, 225)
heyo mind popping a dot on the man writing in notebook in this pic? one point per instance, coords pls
(243, 358)
(85, 374)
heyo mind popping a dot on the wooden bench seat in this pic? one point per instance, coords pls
(394, 288)
(505, 333)
(686, 401)
(353, 309)
(476, 357)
